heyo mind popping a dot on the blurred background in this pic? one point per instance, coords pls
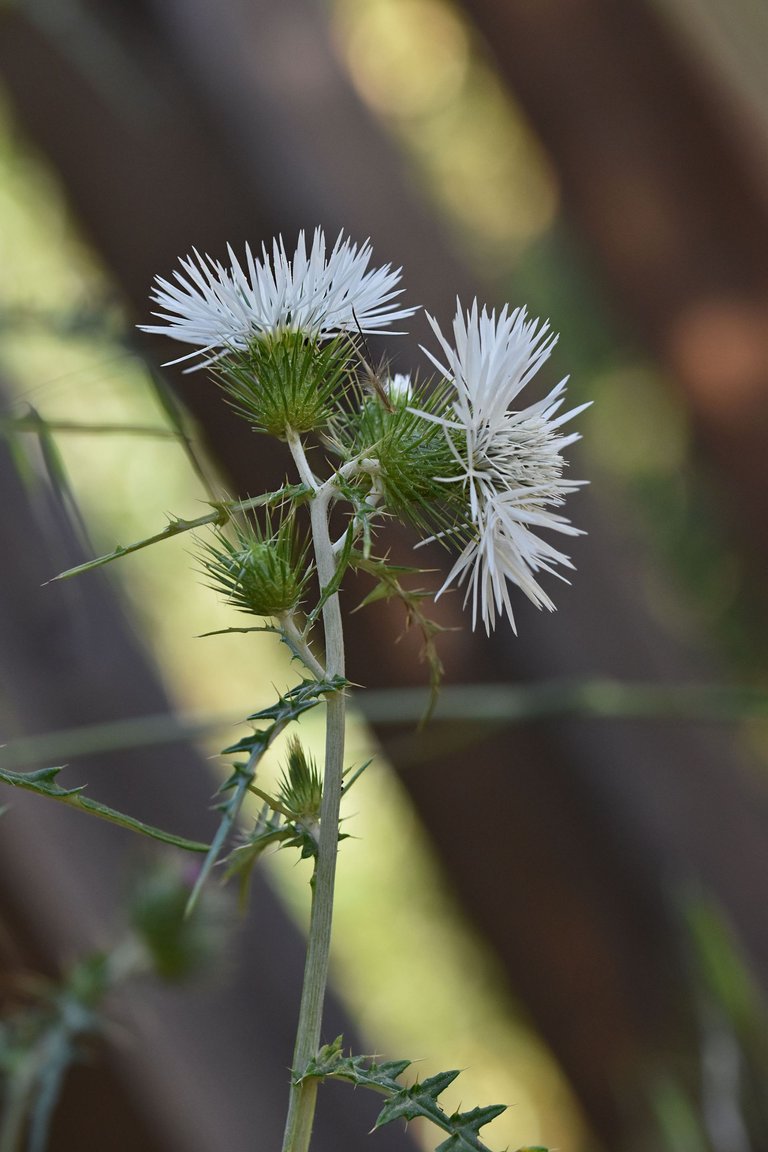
(562, 891)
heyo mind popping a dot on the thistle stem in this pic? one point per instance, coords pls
(297, 642)
(301, 1107)
(300, 460)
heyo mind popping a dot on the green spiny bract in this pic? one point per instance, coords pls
(405, 459)
(261, 572)
(288, 381)
(301, 787)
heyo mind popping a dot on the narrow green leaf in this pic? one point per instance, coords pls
(254, 628)
(297, 700)
(347, 784)
(230, 812)
(332, 587)
(175, 528)
(222, 513)
(178, 421)
(43, 783)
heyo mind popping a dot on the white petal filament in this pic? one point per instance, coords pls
(220, 309)
(509, 458)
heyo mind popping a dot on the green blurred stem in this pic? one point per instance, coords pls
(35, 423)
(301, 1107)
(486, 704)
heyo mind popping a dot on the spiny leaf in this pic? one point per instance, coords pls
(268, 830)
(46, 777)
(222, 513)
(467, 1126)
(418, 1100)
(238, 783)
(362, 1071)
(387, 586)
(407, 1103)
(296, 701)
(43, 782)
(176, 526)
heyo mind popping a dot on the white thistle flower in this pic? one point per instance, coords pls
(509, 458)
(222, 309)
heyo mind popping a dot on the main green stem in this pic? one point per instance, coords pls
(301, 1106)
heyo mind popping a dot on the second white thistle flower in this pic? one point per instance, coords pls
(508, 459)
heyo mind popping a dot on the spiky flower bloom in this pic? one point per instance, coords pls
(221, 310)
(507, 459)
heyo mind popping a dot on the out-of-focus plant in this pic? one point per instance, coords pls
(718, 1104)
(49, 1025)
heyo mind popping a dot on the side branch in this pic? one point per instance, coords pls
(222, 513)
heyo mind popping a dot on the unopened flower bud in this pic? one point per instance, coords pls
(263, 574)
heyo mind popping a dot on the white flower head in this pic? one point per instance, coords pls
(509, 458)
(222, 309)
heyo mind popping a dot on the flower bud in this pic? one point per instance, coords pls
(262, 573)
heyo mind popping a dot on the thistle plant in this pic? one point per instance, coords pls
(454, 455)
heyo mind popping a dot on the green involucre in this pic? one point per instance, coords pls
(263, 573)
(405, 458)
(287, 381)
